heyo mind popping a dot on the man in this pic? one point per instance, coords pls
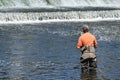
(87, 43)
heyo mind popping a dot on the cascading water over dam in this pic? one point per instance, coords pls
(69, 15)
(67, 3)
(34, 10)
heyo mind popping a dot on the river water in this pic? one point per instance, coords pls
(47, 51)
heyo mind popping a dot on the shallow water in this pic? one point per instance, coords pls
(48, 52)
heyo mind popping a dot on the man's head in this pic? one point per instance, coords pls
(85, 28)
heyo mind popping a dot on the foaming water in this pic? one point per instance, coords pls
(18, 17)
(45, 3)
(99, 19)
(45, 51)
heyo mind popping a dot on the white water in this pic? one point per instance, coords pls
(59, 16)
(47, 3)
(58, 20)
(38, 17)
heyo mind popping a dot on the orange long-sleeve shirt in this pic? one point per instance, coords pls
(87, 39)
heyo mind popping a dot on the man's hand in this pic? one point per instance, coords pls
(78, 47)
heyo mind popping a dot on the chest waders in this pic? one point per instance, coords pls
(88, 57)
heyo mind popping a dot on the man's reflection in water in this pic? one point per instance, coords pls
(88, 74)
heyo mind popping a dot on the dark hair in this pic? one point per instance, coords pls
(85, 28)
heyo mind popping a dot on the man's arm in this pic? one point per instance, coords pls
(79, 44)
(95, 43)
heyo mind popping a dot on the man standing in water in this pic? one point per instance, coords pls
(87, 43)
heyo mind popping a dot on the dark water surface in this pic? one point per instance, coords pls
(47, 51)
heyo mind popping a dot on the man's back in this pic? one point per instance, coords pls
(87, 39)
